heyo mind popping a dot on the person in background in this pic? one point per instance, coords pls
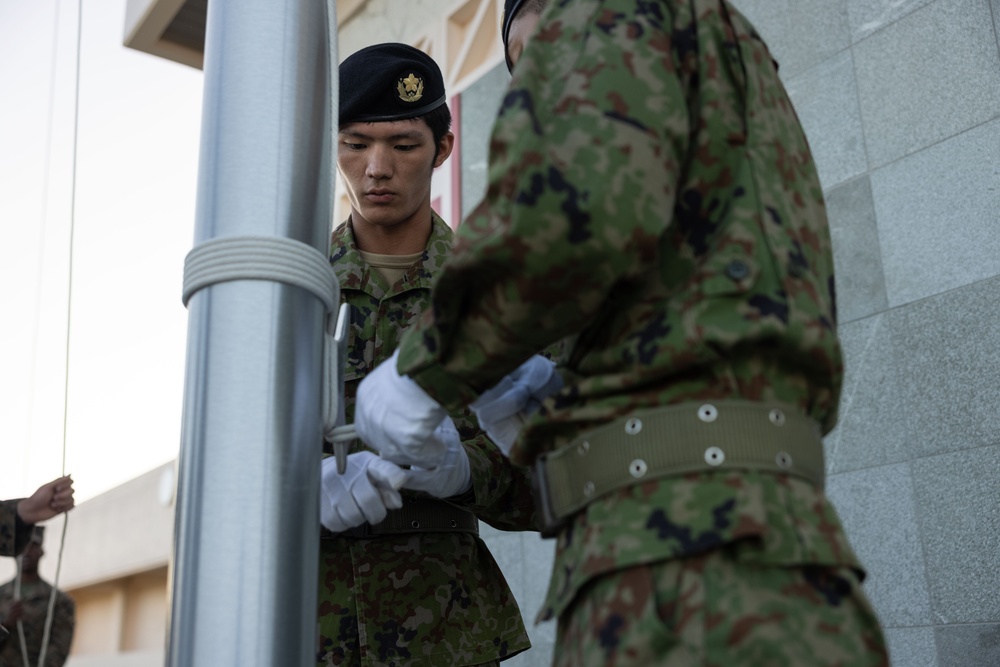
(30, 610)
(404, 577)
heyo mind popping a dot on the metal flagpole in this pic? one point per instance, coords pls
(244, 576)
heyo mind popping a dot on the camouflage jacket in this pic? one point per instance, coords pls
(651, 194)
(428, 599)
(14, 533)
(35, 605)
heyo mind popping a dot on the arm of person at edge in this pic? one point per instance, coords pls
(18, 517)
(556, 235)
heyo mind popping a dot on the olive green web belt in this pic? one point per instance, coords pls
(417, 515)
(689, 437)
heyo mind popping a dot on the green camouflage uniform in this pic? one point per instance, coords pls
(35, 605)
(426, 599)
(652, 195)
(14, 533)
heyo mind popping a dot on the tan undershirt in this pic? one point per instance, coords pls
(390, 267)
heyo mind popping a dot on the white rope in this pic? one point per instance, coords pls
(47, 632)
(291, 262)
(20, 628)
(260, 258)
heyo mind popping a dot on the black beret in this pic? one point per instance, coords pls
(388, 82)
(510, 8)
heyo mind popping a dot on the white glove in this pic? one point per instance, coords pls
(367, 490)
(449, 478)
(502, 410)
(394, 416)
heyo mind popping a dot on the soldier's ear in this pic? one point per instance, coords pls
(445, 147)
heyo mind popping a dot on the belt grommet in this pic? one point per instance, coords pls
(588, 489)
(633, 426)
(708, 413)
(415, 524)
(637, 468)
(714, 456)
(784, 460)
(777, 417)
(454, 524)
(583, 448)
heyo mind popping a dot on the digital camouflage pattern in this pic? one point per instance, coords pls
(652, 195)
(669, 614)
(35, 607)
(435, 598)
(14, 533)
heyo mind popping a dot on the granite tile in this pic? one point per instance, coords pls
(948, 360)
(959, 516)
(911, 647)
(877, 509)
(873, 429)
(867, 16)
(937, 213)
(800, 33)
(826, 100)
(856, 252)
(968, 645)
(926, 77)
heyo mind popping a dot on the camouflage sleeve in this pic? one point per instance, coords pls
(63, 624)
(501, 490)
(14, 533)
(573, 211)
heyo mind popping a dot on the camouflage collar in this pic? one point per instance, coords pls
(354, 273)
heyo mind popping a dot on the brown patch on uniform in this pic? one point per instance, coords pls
(550, 33)
(744, 626)
(618, 103)
(828, 628)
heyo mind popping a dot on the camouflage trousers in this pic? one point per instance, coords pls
(713, 611)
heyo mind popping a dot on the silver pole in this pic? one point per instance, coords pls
(244, 576)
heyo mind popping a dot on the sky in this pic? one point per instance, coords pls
(136, 177)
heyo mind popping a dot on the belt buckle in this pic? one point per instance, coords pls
(551, 525)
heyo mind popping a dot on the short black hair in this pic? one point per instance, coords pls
(439, 120)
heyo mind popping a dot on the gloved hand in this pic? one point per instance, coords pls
(502, 410)
(394, 416)
(449, 478)
(367, 490)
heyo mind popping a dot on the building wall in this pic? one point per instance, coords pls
(901, 103)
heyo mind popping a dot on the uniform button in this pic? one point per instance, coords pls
(777, 417)
(633, 426)
(583, 448)
(415, 523)
(737, 269)
(454, 524)
(637, 468)
(588, 489)
(714, 456)
(784, 460)
(708, 413)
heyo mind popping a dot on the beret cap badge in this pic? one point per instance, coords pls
(410, 89)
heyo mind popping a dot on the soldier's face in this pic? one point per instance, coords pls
(29, 559)
(522, 27)
(387, 169)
